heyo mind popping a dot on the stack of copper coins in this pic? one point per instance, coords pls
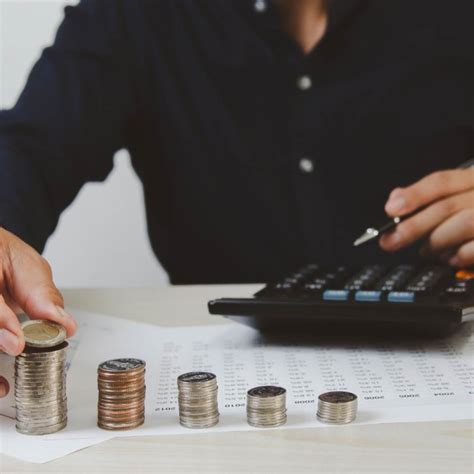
(121, 384)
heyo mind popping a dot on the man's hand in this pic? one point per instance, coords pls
(445, 219)
(26, 285)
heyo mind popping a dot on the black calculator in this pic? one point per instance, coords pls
(420, 299)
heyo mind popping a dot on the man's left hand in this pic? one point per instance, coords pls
(445, 200)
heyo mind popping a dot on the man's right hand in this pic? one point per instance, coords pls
(26, 285)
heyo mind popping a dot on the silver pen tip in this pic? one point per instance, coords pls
(369, 234)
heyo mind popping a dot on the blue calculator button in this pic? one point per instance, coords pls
(368, 295)
(401, 296)
(336, 295)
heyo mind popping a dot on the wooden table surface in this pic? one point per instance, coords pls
(432, 447)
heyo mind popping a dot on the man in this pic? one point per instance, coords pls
(267, 134)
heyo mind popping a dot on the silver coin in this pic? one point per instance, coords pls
(40, 390)
(41, 333)
(197, 400)
(42, 430)
(337, 407)
(266, 391)
(121, 365)
(196, 377)
(44, 351)
(35, 413)
(266, 406)
(337, 397)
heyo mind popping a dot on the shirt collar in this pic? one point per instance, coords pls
(338, 10)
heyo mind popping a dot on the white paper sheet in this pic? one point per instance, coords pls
(395, 382)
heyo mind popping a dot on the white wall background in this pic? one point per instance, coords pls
(101, 239)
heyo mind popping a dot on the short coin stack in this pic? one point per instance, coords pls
(266, 406)
(197, 397)
(121, 384)
(337, 407)
(40, 379)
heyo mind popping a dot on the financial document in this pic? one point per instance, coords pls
(395, 381)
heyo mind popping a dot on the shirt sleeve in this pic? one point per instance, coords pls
(68, 122)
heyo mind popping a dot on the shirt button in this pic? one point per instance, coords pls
(306, 165)
(304, 83)
(260, 6)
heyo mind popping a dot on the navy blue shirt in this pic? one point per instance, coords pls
(255, 158)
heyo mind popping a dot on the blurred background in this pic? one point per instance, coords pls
(101, 239)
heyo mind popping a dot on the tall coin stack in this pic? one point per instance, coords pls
(266, 406)
(40, 379)
(197, 398)
(121, 384)
(337, 407)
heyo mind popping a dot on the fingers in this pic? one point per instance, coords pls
(464, 256)
(451, 233)
(31, 286)
(423, 222)
(431, 188)
(4, 387)
(40, 299)
(11, 336)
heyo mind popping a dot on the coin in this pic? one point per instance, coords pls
(197, 399)
(121, 365)
(266, 391)
(121, 386)
(337, 407)
(266, 406)
(41, 431)
(121, 426)
(40, 333)
(193, 377)
(40, 386)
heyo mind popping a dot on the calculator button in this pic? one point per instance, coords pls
(314, 287)
(428, 279)
(458, 289)
(368, 295)
(465, 275)
(396, 278)
(366, 278)
(401, 297)
(336, 295)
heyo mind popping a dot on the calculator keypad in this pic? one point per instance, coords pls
(372, 283)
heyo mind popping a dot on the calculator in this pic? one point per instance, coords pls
(419, 299)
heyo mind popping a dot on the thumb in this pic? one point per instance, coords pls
(45, 302)
(34, 291)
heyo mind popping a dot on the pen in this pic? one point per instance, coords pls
(373, 232)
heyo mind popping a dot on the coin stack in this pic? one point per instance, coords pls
(40, 379)
(121, 384)
(266, 406)
(337, 407)
(197, 397)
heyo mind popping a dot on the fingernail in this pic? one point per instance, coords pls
(71, 324)
(454, 261)
(396, 204)
(62, 313)
(9, 342)
(394, 238)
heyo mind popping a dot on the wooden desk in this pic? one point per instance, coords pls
(433, 447)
